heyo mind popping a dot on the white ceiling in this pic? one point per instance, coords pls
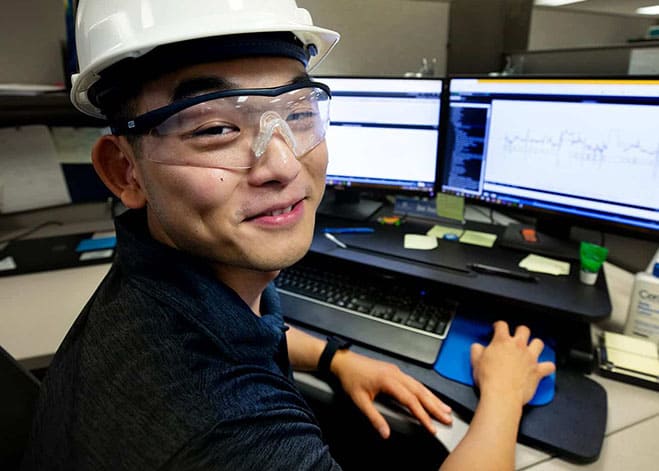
(619, 7)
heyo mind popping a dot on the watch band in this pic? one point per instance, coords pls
(333, 345)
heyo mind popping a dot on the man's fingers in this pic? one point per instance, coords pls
(536, 346)
(364, 403)
(501, 329)
(476, 352)
(522, 333)
(546, 368)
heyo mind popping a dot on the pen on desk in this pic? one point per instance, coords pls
(348, 230)
(335, 240)
(498, 271)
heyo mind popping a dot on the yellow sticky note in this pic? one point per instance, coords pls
(540, 264)
(450, 206)
(420, 242)
(440, 231)
(483, 239)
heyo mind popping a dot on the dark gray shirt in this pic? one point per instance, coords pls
(166, 368)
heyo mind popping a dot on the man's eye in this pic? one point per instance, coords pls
(214, 130)
(300, 115)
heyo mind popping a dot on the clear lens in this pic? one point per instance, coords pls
(220, 133)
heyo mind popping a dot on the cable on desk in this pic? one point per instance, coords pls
(489, 216)
(31, 231)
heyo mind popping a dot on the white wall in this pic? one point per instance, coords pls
(558, 29)
(382, 37)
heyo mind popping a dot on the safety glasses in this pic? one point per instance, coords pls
(211, 130)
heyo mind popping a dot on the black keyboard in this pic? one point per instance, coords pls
(386, 311)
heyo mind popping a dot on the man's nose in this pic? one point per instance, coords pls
(269, 124)
(276, 161)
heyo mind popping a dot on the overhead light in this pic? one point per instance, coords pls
(651, 10)
(556, 3)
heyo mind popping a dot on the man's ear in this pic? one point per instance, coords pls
(114, 162)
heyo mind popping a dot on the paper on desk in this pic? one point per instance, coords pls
(630, 344)
(539, 264)
(30, 174)
(629, 361)
(483, 239)
(7, 263)
(440, 231)
(420, 242)
(74, 145)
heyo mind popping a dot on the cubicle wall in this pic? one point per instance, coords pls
(379, 37)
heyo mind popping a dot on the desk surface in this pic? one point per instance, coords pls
(38, 309)
(563, 296)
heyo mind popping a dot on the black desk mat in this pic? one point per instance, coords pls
(571, 427)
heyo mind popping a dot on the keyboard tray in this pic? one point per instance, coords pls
(390, 313)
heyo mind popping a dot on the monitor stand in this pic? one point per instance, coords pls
(347, 204)
(546, 244)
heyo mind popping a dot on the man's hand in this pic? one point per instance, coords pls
(508, 367)
(507, 373)
(363, 378)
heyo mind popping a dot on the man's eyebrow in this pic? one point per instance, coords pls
(199, 85)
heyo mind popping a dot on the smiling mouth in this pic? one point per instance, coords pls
(279, 212)
(275, 212)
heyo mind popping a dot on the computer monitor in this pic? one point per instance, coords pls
(568, 151)
(382, 139)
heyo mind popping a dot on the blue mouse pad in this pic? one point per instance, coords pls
(454, 360)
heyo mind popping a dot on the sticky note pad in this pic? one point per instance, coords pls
(420, 242)
(483, 239)
(539, 264)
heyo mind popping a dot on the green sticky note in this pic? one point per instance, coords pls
(483, 239)
(450, 206)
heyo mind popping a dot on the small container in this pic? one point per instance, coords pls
(592, 257)
(643, 314)
(588, 277)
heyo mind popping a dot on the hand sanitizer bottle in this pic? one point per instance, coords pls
(643, 315)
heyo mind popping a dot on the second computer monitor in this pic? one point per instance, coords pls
(383, 134)
(574, 150)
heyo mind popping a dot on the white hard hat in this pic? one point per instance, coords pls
(108, 32)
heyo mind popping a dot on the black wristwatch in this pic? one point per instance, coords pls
(333, 345)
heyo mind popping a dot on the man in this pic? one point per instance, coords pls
(181, 359)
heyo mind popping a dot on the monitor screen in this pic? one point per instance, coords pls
(582, 149)
(383, 139)
(383, 134)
